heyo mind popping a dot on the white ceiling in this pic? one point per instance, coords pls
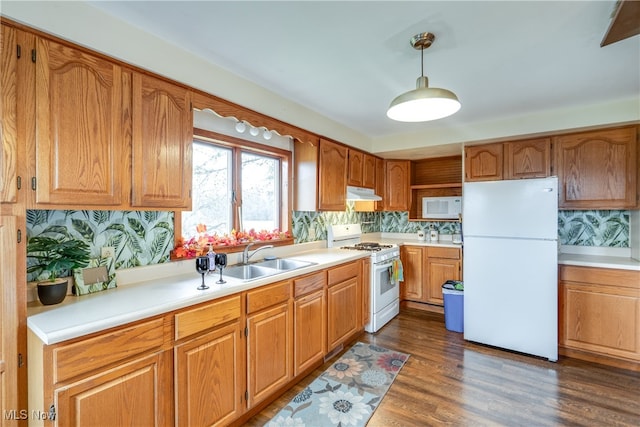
(348, 59)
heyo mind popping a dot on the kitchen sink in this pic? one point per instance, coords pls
(285, 264)
(249, 272)
(262, 269)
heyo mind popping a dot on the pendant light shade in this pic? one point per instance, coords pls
(423, 103)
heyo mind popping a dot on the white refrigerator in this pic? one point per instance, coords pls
(510, 264)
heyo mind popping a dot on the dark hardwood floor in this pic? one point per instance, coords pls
(451, 381)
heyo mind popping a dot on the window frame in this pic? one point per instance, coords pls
(238, 146)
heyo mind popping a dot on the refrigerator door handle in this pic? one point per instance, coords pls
(548, 190)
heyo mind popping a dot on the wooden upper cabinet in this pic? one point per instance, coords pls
(332, 176)
(369, 171)
(162, 143)
(8, 110)
(356, 167)
(82, 107)
(362, 169)
(598, 169)
(397, 193)
(380, 185)
(483, 162)
(527, 159)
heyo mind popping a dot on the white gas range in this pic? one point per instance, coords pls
(384, 290)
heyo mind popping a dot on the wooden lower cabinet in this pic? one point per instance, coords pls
(412, 288)
(269, 343)
(426, 268)
(140, 386)
(211, 364)
(344, 316)
(208, 378)
(599, 316)
(309, 321)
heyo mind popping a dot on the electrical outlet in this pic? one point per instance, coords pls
(108, 251)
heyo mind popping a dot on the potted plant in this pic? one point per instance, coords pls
(50, 257)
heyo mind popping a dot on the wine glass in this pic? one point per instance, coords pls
(221, 262)
(202, 267)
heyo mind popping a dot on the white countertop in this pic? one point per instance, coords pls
(79, 316)
(599, 261)
(598, 257)
(148, 291)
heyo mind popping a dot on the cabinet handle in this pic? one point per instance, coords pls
(18, 51)
(19, 236)
(33, 183)
(19, 182)
(33, 55)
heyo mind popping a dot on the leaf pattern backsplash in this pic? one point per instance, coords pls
(138, 237)
(146, 237)
(608, 228)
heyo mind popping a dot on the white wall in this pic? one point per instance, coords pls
(90, 27)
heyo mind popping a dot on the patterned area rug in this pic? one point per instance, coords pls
(347, 393)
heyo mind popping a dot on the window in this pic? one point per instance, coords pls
(236, 185)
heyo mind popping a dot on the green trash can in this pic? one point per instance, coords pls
(453, 292)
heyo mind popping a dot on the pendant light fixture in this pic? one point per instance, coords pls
(423, 103)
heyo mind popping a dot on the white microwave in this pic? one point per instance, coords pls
(441, 207)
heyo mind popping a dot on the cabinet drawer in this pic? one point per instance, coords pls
(87, 355)
(601, 276)
(268, 295)
(343, 272)
(210, 315)
(434, 252)
(310, 283)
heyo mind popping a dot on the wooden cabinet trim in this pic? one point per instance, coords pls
(208, 316)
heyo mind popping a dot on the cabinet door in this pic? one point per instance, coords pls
(82, 107)
(356, 168)
(8, 120)
(342, 316)
(600, 319)
(483, 162)
(332, 176)
(310, 331)
(412, 265)
(527, 159)
(597, 170)
(381, 183)
(9, 318)
(269, 352)
(439, 270)
(369, 171)
(162, 144)
(398, 192)
(209, 382)
(100, 400)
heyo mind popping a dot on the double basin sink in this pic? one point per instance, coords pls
(265, 268)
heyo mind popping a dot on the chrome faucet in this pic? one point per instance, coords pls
(246, 255)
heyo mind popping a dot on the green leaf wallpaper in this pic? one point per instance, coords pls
(609, 228)
(146, 237)
(139, 237)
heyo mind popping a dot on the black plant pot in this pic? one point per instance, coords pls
(50, 293)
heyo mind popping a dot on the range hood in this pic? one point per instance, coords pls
(359, 193)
